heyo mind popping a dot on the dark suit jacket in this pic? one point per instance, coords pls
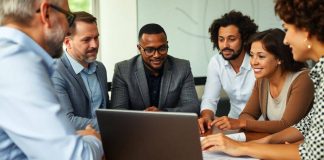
(177, 93)
(73, 94)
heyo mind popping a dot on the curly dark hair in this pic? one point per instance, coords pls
(308, 14)
(245, 24)
(272, 41)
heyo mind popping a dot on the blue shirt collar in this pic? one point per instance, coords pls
(22, 39)
(77, 67)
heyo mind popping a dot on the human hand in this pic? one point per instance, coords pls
(221, 143)
(226, 123)
(204, 124)
(152, 109)
(89, 131)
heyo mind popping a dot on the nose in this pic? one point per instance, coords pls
(225, 44)
(285, 41)
(253, 61)
(156, 53)
(94, 43)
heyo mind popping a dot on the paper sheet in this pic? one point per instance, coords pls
(237, 136)
(222, 156)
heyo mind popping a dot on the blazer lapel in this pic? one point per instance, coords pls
(101, 80)
(142, 82)
(76, 76)
(165, 83)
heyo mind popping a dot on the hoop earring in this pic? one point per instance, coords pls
(309, 45)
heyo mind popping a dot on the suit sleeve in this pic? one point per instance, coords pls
(188, 100)
(119, 93)
(61, 91)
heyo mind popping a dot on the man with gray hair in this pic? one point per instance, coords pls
(32, 123)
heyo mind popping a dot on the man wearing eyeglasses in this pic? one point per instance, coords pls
(79, 80)
(154, 80)
(32, 123)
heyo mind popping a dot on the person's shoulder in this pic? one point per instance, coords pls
(302, 76)
(100, 64)
(217, 58)
(101, 68)
(128, 61)
(61, 66)
(129, 65)
(177, 61)
(217, 62)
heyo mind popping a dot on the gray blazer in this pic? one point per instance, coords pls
(73, 95)
(177, 93)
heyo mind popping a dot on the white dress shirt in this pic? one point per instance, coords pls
(238, 86)
(32, 124)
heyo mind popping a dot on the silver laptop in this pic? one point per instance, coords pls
(139, 135)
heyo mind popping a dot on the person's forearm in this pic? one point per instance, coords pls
(270, 151)
(290, 135)
(80, 122)
(287, 135)
(92, 148)
(242, 123)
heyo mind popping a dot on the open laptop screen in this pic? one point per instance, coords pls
(139, 135)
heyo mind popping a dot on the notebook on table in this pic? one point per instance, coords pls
(139, 135)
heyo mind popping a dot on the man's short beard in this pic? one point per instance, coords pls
(90, 60)
(234, 55)
(58, 52)
(54, 41)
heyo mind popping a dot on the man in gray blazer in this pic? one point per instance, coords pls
(154, 80)
(79, 80)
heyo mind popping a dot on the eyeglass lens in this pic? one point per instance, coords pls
(162, 50)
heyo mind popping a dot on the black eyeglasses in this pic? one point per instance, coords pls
(69, 15)
(149, 51)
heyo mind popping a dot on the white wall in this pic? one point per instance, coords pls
(186, 23)
(119, 21)
(118, 31)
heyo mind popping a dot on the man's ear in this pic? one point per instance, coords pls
(67, 42)
(44, 14)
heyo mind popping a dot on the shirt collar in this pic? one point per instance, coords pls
(245, 64)
(77, 67)
(22, 39)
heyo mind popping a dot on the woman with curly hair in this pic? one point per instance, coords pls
(304, 23)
